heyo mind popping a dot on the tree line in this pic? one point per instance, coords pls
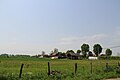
(97, 49)
(85, 50)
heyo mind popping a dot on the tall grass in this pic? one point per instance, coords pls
(36, 69)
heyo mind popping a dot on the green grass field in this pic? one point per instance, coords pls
(36, 69)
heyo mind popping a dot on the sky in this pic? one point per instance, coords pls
(32, 26)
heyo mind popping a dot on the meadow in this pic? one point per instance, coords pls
(37, 69)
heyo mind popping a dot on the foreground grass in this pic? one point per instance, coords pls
(36, 69)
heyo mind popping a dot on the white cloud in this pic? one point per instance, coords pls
(105, 40)
(68, 40)
(65, 43)
(85, 39)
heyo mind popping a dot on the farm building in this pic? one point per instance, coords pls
(57, 55)
(54, 56)
(73, 55)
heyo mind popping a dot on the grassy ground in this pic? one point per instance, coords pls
(36, 69)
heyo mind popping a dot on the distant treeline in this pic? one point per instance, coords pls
(46, 56)
(109, 57)
(7, 55)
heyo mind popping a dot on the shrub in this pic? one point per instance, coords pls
(109, 57)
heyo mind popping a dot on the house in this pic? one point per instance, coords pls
(53, 56)
(74, 56)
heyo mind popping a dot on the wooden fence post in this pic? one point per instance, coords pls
(75, 67)
(48, 68)
(21, 70)
(91, 67)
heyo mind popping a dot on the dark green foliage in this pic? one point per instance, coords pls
(108, 52)
(109, 57)
(118, 69)
(90, 53)
(108, 69)
(85, 49)
(70, 51)
(78, 51)
(55, 50)
(97, 49)
(4, 55)
(3, 77)
(61, 55)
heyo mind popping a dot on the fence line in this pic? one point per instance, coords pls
(75, 68)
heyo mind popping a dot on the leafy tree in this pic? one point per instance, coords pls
(78, 51)
(64, 54)
(85, 49)
(43, 53)
(61, 55)
(59, 52)
(97, 49)
(4, 55)
(70, 51)
(108, 52)
(90, 53)
(55, 50)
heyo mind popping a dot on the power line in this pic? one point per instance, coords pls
(113, 47)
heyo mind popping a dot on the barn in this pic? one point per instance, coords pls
(73, 56)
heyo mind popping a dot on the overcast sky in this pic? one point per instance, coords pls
(32, 26)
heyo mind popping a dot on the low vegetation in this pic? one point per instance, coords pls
(61, 69)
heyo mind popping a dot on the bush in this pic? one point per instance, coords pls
(109, 57)
(108, 69)
(3, 77)
(118, 70)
